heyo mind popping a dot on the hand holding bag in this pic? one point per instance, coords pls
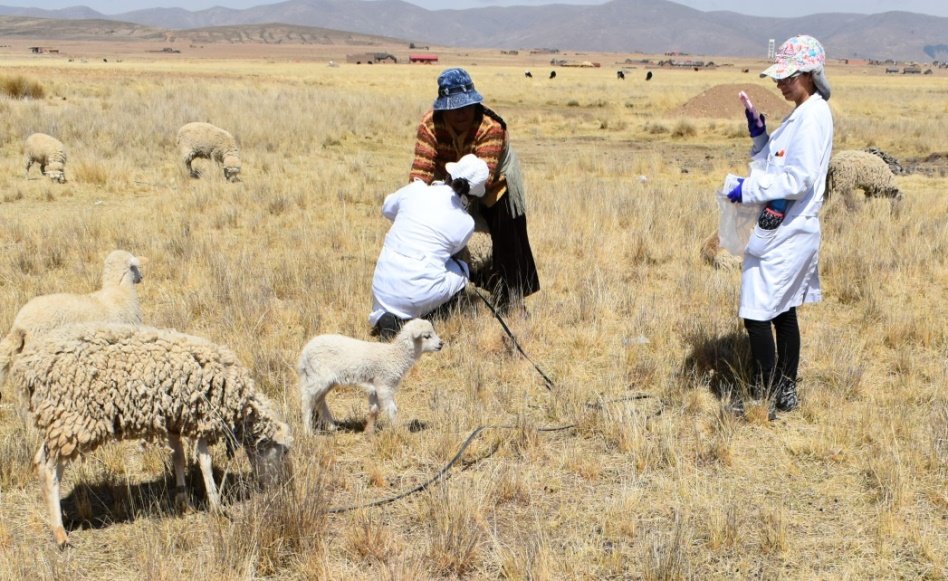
(737, 221)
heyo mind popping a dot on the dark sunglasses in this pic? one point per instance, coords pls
(786, 80)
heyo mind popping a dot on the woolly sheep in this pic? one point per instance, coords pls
(330, 360)
(852, 169)
(479, 256)
(94, 383)
(115, 302)
(49, 153)
(209, 142)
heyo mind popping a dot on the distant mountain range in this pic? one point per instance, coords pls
(631, 26)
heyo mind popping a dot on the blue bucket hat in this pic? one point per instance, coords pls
(455, 90)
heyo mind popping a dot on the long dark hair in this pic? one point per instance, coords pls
(461, 186)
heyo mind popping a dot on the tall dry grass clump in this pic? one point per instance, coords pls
(20, 87)
(629, 466)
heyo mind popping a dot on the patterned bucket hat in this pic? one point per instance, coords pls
(799, 54)
(455, 90)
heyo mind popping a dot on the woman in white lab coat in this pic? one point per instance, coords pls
(416, 272)
(781, 262)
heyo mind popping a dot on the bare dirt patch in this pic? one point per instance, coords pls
(721, 102)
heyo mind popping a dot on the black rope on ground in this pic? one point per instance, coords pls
(441, 473)
(546, 379)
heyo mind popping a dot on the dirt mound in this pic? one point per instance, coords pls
(721, 102)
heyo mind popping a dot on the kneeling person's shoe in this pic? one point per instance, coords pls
(388, 326)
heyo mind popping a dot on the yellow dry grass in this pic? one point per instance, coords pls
(852, 485)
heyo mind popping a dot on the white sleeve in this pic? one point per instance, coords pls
(390, 205)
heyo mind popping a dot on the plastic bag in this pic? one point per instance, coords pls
(737, 221)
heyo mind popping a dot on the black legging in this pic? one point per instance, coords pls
(773, 366)
(515, 271)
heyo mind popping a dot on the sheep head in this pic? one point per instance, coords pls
(55, 170)
(422, 335)
(269, 456)
(122, 267)
(232, 168)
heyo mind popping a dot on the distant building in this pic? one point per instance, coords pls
(771, 51)
(427, 59)
(43, 50)
(371, 57)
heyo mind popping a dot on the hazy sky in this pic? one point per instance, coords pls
(753, 7)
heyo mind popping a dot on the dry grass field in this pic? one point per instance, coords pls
(649, 479)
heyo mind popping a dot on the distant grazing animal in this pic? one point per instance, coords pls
(49, 153)
(528, 74)
(552, 74)
(620, 75)
(850, 170)
(91, 384)
(330, 360)
(115, 302)
(209, 142)
(648, 76)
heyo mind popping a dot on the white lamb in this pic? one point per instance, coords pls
(206, 141)
(90, 384)
(330, 360)
(115, 302)
(49, 153)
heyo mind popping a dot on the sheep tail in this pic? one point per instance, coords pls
(10, 347)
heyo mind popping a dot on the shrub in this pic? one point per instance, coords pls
(19, 87)
(684, 129)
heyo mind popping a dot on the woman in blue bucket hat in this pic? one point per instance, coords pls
(460, 124)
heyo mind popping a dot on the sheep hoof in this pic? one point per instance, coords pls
(182, 504)
(62, 539)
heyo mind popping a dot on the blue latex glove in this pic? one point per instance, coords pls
(752, 127)
(735, 195)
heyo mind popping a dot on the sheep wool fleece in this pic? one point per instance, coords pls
(89, 384)
(781, 266)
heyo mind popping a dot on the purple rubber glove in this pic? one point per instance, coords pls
(735, 195)
(752, 126)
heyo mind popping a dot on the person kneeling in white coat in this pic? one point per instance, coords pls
(416, 272)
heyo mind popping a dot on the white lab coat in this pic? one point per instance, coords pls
(781, 266)
(415, 273)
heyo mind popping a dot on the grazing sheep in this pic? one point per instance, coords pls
(850, 170)
(620, 75)
(552, 74)
(209, 142)
(49, 153)
(330, 360)
(92, 383)
(528, 74)
(115, 302)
